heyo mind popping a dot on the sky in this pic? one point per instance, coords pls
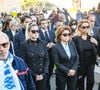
(60, 3)
(68, 3)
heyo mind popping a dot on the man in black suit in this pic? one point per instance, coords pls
(94, 31)
(49, 37)
(96, 34)
(20, 36)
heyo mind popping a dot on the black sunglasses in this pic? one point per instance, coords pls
(65, 34)
(84, 27)
(34, 31)
(4, 45)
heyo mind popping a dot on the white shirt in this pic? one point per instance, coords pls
(67, 49)
(13, 32)
(44, 32)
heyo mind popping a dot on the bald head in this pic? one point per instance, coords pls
(3, 37)
(4, 46)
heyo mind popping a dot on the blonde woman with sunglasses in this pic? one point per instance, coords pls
(86, 48)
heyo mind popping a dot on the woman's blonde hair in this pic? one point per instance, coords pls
(80, 24)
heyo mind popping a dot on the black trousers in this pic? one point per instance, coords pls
(99, 86)
(51, 67)
(61, 82)
(41, 85)
(88, 73)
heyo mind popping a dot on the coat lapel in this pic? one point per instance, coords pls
(63, 52)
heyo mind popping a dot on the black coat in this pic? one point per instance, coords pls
(36, 56)
(97, 37)
(79, 42)
(61, 59)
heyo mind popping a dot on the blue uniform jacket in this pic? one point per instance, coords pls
(23, 73)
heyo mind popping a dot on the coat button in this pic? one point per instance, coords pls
(42, 53)
(32, 54)
(41, 69)
(40, 58)
(41, 64)
(33, 60)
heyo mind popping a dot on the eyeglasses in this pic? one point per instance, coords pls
(4, 45)
(34, 31)
(66, 34)
(84, 27)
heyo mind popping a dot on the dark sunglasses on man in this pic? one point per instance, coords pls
(4, 45)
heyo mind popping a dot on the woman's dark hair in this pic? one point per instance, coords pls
(73, 21)
(31, 25)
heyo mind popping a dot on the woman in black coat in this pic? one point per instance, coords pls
(34, 52)
(65, 57)
(85, 46)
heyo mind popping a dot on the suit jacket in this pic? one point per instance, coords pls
(9, 33)
(51, 36)
(61, 59)
(97, 37)
(18, 39)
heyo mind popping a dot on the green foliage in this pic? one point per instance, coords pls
(36, 3)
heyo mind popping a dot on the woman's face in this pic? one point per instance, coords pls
(34, 33)
(65, 36)
(85, 28)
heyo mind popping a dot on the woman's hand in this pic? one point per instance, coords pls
(71, 72)
(39, 77)
(93, 40)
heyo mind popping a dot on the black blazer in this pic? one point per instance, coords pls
(62, 61)
(51, 36)
(97, 37)
(79, 46)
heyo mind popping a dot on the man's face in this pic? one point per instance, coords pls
(92, 21)
(44, 24)
(27, 21)
(4, 47)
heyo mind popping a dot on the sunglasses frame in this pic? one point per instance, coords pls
(4, 45)
(34, 31)
(65, 34)
(84, 27)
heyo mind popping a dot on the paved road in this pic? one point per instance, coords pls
(97, 79)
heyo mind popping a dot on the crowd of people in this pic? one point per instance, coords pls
(32, 45)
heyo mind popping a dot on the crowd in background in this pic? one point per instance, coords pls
(44, 42)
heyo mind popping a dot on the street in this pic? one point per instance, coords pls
(97, 79)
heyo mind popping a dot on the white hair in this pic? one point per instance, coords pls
(3, 35)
